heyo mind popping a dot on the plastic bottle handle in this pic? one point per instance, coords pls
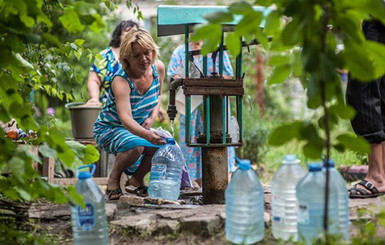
(87, 166)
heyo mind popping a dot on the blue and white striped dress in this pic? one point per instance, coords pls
(109, 132)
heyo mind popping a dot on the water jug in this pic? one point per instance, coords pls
(338, 182)
(89, 224)
(244, 206)
(310, 193)
(166, 171)
(284, 200)
(234, 130)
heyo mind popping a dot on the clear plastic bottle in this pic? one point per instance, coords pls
(284, 200)
(234, 130)
(166, 171)
(338, 182)
(244, 198)
(89, 225)
(310, 193)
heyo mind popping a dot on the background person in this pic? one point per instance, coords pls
(123, 125)
(368, 99)
(176, 70)
(103, 69)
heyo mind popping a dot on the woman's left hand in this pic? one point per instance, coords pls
(147, 124)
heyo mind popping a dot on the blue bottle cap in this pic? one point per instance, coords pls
(291, 159)
(170, 141)
(314, 167)
(331, 163)
(244, 164)
(85, 174)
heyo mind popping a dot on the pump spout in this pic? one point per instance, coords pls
(171, 110)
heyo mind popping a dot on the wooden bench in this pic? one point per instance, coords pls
(103, 167)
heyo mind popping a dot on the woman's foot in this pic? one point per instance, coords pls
(114, 194)
(366, 189)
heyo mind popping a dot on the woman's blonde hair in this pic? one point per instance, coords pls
(143, 38)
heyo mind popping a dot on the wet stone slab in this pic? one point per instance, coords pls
(156, 216)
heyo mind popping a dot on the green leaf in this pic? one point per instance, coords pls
(28, 21)
(313, 151)
(285, 133)
(240, 8)
(97, 24)
(91, 155)
(233, 43)
(211, 34)
(70, 20)
(279, 74)
(24, 194)
(358, 61)
(78, 199)
(291, 34)
(219, 17)
(46, 151)
(48, 37)
(273, 22)
(377, 52)
(24, 63)
(79, 42)
(249, 24)
(343, 111)
(354, 143)
(44, 19)
(278, 60)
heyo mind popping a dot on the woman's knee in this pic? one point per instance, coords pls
(150, 150)
(134, 152)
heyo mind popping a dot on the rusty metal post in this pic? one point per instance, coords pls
(214, 159)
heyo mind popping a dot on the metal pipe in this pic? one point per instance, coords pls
(171, 110)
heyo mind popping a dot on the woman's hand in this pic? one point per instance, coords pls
(93, 102)
(154, 138)
(161, 115)
(147, 124)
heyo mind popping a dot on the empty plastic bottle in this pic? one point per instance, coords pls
(284, 200)
(234, 130)
(166, 171)
(89, 224)
(310, 193)
(338, 182)
(244, 206)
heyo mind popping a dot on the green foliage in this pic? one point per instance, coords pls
(38, 49)
(255, 133)
(305, 47)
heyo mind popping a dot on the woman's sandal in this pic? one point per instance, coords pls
(139, 191)
(114, 194)
(370, 190)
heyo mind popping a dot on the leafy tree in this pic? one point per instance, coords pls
(38, 48)
(306, 47)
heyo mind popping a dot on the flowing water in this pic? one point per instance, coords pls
(172, 127)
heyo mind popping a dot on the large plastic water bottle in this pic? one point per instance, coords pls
(310, 193)
(166, 171)
(89, 224)
(234, 130)
(338, 182)
(244, 206)
(284, 200)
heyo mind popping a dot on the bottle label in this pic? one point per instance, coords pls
(158, 171)
(86, 217)
(303, 214)
(278, 210)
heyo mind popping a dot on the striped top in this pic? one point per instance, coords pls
(141, 105)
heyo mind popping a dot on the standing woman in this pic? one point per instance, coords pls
(103, 69)
(123, 125)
